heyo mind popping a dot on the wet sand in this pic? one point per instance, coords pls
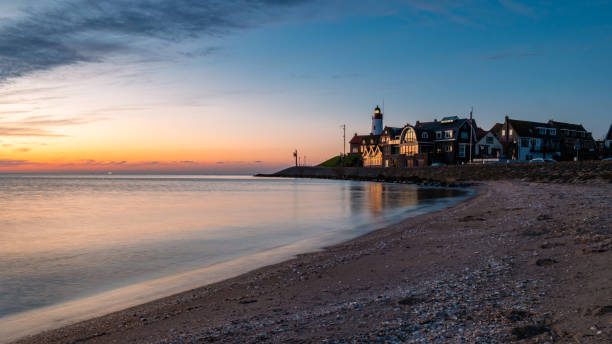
(520, 261)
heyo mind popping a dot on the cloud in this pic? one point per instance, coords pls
(443, 8)
(345, 76)
(22, 150)
(517, 7)
(74, 32)
(504, 56)
(20, 131)
(10, 162)
(39, 125)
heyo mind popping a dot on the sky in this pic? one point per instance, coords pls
(234, 86)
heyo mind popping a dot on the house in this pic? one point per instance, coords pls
(371, 151)
(488, 146)
(576, 142)
(416, 145)
(355, 144)
(526, 140)
(390, 146)
(447, 141)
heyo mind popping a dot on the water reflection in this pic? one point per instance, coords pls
(375, 198)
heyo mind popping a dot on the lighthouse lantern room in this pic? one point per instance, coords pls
(377, 122)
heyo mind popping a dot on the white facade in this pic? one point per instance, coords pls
(487, 146)
(377, 126)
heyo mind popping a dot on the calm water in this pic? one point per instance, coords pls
(64, 238)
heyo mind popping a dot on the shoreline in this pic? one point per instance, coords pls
(17, 326)
(423, 270)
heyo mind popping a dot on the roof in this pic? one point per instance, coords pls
(376, 138)
(442, 126)
(569, 126)
(527, 128)
(357, 139)
(480, 133)
(393, 130)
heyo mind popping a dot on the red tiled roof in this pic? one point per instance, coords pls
(357, 139)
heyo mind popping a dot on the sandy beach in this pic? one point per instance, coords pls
(521, 261)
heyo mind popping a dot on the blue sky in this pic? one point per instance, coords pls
(199, 75)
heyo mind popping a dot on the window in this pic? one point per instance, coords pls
(542, 131)
(489, 139)
(425, 135)
(448, 134)
(409, 149)
(438, 135)
(464, 135)
(534, 143)
(503, 132)
(448, 148)
(553, 132)
(410, 135)
(581, 133)
(564, 132)
(462, 150)
(524, 142)
(510, 132)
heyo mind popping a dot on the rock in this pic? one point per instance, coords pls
(545, 262)
(529, 331)
(247, 301)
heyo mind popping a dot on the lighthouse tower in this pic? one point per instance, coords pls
(377, 119)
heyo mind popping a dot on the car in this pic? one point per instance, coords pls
(438, 164)
(607, 159)
(542, 160)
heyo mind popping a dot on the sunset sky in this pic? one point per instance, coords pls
(235, 85)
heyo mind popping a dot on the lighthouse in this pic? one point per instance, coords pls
(377, 119)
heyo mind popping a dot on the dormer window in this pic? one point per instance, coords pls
(553, 132)
(438, 135)
(542, 131)
(448, 134)
(425, 135)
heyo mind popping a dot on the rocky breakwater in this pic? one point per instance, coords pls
(575, 172)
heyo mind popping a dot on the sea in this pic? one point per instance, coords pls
(77, 246)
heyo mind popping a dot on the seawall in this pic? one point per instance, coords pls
(580, 171)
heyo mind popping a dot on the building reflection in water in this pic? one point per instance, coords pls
(374, 197)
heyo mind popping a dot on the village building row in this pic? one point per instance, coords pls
(454, 140)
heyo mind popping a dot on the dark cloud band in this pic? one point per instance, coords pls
(90, 30)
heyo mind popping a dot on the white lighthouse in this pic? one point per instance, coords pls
(377, 125)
